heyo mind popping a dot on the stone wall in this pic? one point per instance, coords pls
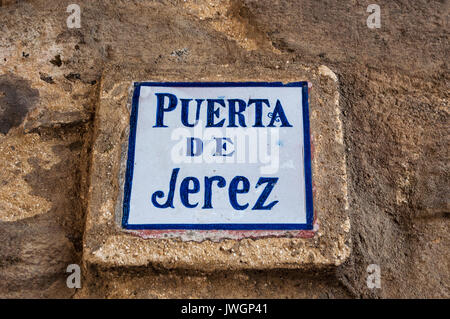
(393, 84)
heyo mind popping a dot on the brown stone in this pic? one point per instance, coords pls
(393, 86)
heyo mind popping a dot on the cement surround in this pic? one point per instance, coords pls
(108, 245)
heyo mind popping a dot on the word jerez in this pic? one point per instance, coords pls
(167, 103)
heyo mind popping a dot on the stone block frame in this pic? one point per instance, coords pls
(108, 244)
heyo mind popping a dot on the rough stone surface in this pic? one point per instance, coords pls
(393, 85)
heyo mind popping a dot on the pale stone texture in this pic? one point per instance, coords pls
(40, 214)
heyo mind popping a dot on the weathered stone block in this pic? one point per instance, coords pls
(106, 243)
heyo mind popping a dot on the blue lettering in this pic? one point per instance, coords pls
(271, 181)
(233, 190)
(160, 194)
(185, 191)
(160, 109)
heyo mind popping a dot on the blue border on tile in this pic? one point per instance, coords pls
(307, 160)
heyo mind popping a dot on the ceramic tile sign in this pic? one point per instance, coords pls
(219, 156)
